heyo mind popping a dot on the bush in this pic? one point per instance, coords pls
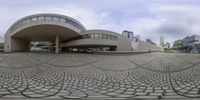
(168, 50)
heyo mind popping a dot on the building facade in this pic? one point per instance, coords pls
(188, 44)
(128, 34)
(64, 34)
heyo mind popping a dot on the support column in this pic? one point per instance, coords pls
(57, 41)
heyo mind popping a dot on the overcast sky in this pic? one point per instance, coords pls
(174, 19)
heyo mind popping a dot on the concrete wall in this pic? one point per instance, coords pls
(19, 45)
(88, 42)
(7, 42)
(122, 43)
(144, 47)
(13, 44)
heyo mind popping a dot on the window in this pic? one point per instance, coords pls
(48, 18)
(87, 36)
(92, 36)
(41, 18)
(116, 38)
(24, 22)
(20, 23)
(55, 18)
(103, 36)
(112, 37)
(28, 20)
(109, 37)
(100, 36)
(34, 19)
(62, 20)
(96, 36)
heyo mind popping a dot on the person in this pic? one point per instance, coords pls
(149, 50)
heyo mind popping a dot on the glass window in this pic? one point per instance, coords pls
(96, 36)
(112, 37)
(109, 37)
(14, 27)
(62, 20)
(55, 18)
(20, 23)
(34, 19)
(41, 18)
(24, 22)
(100, 36)
(103, 36)
(28, 20)
(17, 25)
(106, 36)
(116, 38)
(48, 18)
(92, 36)
(87, 36)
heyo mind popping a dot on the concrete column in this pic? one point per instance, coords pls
(57, 41)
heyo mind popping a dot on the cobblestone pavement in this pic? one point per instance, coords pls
(70, 76)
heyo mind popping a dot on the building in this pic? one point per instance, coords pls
(1, 39)
(128, 34)
(177, 43)
(167, 45)
(137, 38)
(188, 44)
(64, 34)
(151, 42)
(162, 41)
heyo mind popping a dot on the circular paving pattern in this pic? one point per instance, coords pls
(74, 76)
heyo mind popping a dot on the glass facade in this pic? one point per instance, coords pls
(40, 18)
(46, 18)
(55, 18)
(34, 19)
(100, 36)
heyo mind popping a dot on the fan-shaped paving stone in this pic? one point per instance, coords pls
(78, 76)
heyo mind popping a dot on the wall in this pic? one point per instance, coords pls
(19, 45)
(144, 47)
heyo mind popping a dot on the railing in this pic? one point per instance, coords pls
(46, 18)
(100, 36)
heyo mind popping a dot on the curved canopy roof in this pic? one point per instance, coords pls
(44, 27)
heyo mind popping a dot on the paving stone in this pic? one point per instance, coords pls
(70, 75)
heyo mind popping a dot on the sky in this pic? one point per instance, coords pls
(174, 19)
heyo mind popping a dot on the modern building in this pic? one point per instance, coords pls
(64, 34)
(167, 45)
(177, 43)
(162, 40)
(188, 44)
(151, 42)
(128, 34)
(137, 38)
(63, 31)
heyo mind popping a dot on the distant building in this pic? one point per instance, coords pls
(167, 45)
(1, 39)
(189, 43)
(128, 34)
(137, 38)
(162, 41)
(149, 41)
(177, 43)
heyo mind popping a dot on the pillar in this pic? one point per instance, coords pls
(57, 41)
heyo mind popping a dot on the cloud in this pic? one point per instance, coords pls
(90, 18)
(174, 19)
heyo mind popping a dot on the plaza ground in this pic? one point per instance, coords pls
(95, 76)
